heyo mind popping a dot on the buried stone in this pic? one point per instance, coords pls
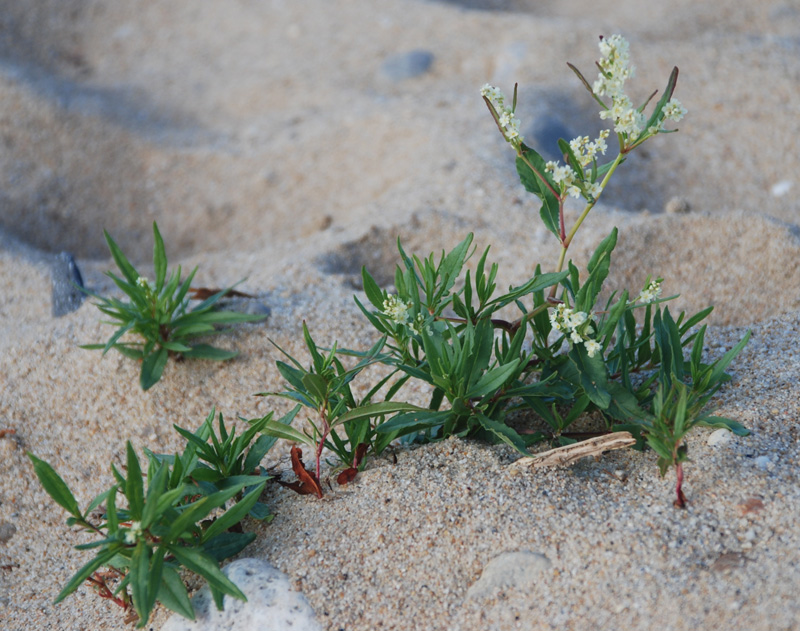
(66, 295)
(271, 604)
(510, 570)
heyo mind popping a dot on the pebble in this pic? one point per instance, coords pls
(763, 462)
(271, 604)
(719, 437)
(66, 297)
(781, 188)
(408, 65)
(7, 530)
(677, 206)
(519, 570)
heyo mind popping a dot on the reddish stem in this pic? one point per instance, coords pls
(680, 501)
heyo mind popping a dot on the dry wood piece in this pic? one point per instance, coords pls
(571, 453)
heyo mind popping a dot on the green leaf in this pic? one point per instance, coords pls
(228, 544)
(503, 432)
(173, 595)
(206, 351)
(597, 267)
(139, 580)
(412, 422)
(152, 368)
(235, 514)
(317, 386)
(722, 422)
(155, 487)
(159, 258)
(87, 570)
(279, 430)
(723, 362)
(592, 375)
(204, 565)
(134, 485)
(55, 486)
(493, 379)
(372, 290)
(128, 270)
(378, 409)
(532, 180)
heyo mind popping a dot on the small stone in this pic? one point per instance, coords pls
(518, 570)
(271, 604)
(7, 530)
(66, 279)
(719, 437)
(781, 188)
(763, 462)
(677, 206)
(408, 65)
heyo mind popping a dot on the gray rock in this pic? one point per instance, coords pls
(677, 206)
(407, 65)
(764, 463)
(66, 297)
(7, 530)
(271, 605)
(719, 437)
(518, 570)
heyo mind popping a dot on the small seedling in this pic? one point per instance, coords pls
(148, 535)
(158, 314)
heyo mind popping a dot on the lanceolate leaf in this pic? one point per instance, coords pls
(55, 486)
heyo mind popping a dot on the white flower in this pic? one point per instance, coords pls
(674, 111)
(142, 282)
(508, 121)
(592, 347)
(594, 189)
(396, 309)
(134, 533)
(650, 293)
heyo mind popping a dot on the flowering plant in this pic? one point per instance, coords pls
(158, 312)
(178, 521)
(564, 354)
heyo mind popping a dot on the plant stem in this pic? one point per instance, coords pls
(680, 501)
(566, 241)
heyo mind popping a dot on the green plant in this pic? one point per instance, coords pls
(324, 389)
(178, 521)
(677, 407)
(158, 313)
(549, 345)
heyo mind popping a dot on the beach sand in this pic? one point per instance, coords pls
(272, 143)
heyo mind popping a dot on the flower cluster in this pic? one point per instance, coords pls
(505, 117)
(615, 69)
(585, 152)
(396, 309)
(134, 533)
(576, 325)
(650, 293)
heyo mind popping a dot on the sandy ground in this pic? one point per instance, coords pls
(269, 142)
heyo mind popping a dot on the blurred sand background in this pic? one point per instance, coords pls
(276, 141)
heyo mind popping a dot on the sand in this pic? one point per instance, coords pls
(270, 144)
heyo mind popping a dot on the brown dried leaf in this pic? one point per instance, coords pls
(751, 505)
(348, 475)
(361, 451)
(307, 483)
(203, 293)
(7, 432)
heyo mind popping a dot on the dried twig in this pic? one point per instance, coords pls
(571, 453)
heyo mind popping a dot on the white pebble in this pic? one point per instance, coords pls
(719, 437)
